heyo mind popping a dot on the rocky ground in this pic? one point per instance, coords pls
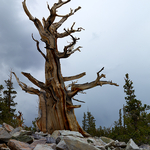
(19, 139)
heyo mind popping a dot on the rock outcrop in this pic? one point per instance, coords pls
(19, 139)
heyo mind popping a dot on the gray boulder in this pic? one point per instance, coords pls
(16, 131)
(42, 134)
(24, 132)
(17, 145)
(8, 127)
(74, 143)
(57, 133)
(36, 142)
(120, 144)
(4, 135)
(131, 145)
(62, 146)
(145, 146)
(106, 139)
(37, 136)
(43, 147)
(50, 140)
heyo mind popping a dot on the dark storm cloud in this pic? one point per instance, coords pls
(18, 52)
(116, 37)
(16, 44)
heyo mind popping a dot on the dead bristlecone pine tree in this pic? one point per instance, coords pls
(55, 99)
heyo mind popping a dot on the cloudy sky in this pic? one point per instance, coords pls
(116, 36)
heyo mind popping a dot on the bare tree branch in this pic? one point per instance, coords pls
(68, 50)
(74, 77)
(78, 100)
(73, 106)
(77, 49)
(70, 85)
(65, 17)
(53, 14)
(75, 88)
(37, 23)
(37, 44)
(69, 31)
(26, 88)
(106, 82)
(72, 93)
(27, 11)
(60, 3)
(35, 81)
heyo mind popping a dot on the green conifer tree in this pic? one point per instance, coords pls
(84, 122)
(133, 106)
(8, 111)
(88, 123)
(91, 127)
(120, 118)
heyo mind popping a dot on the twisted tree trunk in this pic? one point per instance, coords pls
(55, 106)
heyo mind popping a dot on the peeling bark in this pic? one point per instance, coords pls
(56, 109)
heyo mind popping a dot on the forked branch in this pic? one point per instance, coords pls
(53, 14)
(37, 44)
(37, 23)
(68, 50)
(26, 88)
(80, 87)
(69, 31)
(60, 3)
(65, 17)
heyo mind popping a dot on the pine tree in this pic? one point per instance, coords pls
(88, 123)
(84, 122)
(91, 127)
(120, 118)
(124, 116)
(134, 107)
(8, 102)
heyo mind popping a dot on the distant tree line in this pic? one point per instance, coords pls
(133, 123)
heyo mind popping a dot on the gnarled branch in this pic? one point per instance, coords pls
(26, 88)
(106, 82)
(74, 77)
(73, 93)
(34, 81)
(68, 50)
(37, 44)
(75, 88)
(27, 11)
(69, 31)
(37, 23)
(69, 85)
(65, 17)
(53, 14)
